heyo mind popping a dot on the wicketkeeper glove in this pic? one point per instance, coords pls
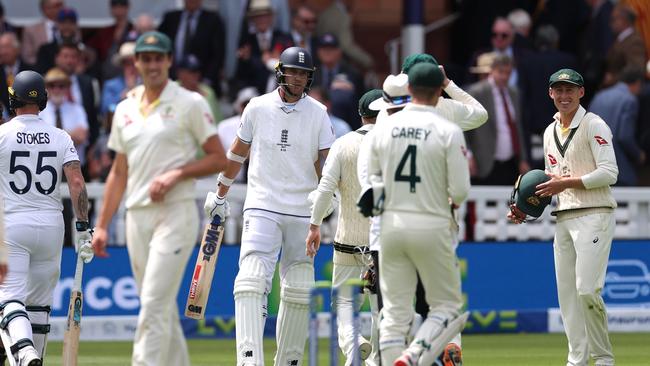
(216, 206)
(371, 200)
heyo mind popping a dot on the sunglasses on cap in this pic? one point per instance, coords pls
(396, 100)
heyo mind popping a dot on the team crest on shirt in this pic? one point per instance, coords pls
(463, 149)
(552, 161)
(208, 118)
(168, 113)
(284, 140)
(127, 120)
(601, 141)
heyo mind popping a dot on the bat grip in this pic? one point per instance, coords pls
(76, 286)
(216, 221)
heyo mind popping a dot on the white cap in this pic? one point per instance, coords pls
(395, 86)
(127, 49)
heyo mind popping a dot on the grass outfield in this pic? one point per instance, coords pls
(631, 349)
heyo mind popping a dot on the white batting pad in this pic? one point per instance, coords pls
(249, 291)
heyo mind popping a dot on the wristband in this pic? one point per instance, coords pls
(82, 225)
(236, 158)
(224, 181)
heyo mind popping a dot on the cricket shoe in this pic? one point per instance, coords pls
(452, 355)
(29, 357)
(404, 360)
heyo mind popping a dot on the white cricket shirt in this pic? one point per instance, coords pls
(168, 137)
(32, 154)
(284, 147)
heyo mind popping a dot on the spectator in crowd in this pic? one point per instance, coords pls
(43, 32)
(143, 23)
(537, 107)
(83, 88)
(483, 65)
(67, 32)
(335, 19)
(322, 95)
(596, 40)
(4, 26)
(10, 64)
(503, 35)
(190, 77)
(498, 150)
(194, 30)
(259, 48)
(63, 113)
(107, 41)
(618, 106)
(643, 127)
(341, 80)
(521, 24)
(115, 89)
(303, 26)
(628, 48)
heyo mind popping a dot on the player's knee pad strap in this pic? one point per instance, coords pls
(39, 316)
(5, 303)
(20, 344)
(11, 312)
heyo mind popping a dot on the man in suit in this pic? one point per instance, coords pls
(200, 32)
(499, 153)
(628, 47)
(10, 64)
(303, 27)
(34, 36)
(618, 106)
(596, 41)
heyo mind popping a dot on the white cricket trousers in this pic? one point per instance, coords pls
(412, 244)
(581, 250)
(34, 255)
(160, 239)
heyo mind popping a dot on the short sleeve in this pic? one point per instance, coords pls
(326, 136)
(70, 153)
(201, 120)
(115, 141)
(245, 130)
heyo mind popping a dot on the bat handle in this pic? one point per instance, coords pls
(216, 221)
(78, 274)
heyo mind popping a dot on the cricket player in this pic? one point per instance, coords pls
(34, 156)
(157, 131)
(461, 109)
(580, 161)
(287, 135)
(351, 250)
(420, 159)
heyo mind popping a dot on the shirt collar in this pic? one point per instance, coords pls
(575, 122)
(277, 100)
(420, 107)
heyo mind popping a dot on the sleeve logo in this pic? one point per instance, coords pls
(601, 141)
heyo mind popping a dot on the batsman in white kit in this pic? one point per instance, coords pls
(33, 158)
(351, 252)
(287, 134)
(420, 160)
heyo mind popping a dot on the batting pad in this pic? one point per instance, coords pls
(14, 327)
(293, 316)
(249, 291)
(40, 319)
(436, 335)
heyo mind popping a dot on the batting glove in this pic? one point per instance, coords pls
(216, 206)
(86, 252)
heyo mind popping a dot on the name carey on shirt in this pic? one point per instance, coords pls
(410, 133)
(33, 138)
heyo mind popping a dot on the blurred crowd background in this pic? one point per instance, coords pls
(226, 50)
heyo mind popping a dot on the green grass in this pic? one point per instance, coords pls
(631, 349)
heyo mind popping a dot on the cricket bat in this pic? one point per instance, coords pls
(73, 324)
(206, 260)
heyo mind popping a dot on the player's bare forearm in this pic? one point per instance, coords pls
(322, 156)
(114, 190)
(77, 186)
(238, 148)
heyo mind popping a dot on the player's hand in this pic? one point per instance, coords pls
(83, 237)
(163, 184)
(515, 215)
(216, 206)
(445, 81)
(312, 243)
(86, 252)
(3, 272)
(553, 186)
(99, 241)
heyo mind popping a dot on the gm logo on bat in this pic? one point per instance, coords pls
(210, 247)
(195, 309)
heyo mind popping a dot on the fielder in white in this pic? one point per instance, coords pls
(462, 109)
(157, 131)
(287, 134)
(580, 160)
(351, 252)
(33, 157)
(420, 159)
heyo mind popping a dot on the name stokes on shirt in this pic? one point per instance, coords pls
(35, 138)
(410, 133)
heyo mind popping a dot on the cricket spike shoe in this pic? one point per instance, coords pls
(452, 355)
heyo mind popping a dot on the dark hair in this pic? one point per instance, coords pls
(631, 74)
(546, 37)
(69, 44)
(501, 59)
(422, 92)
